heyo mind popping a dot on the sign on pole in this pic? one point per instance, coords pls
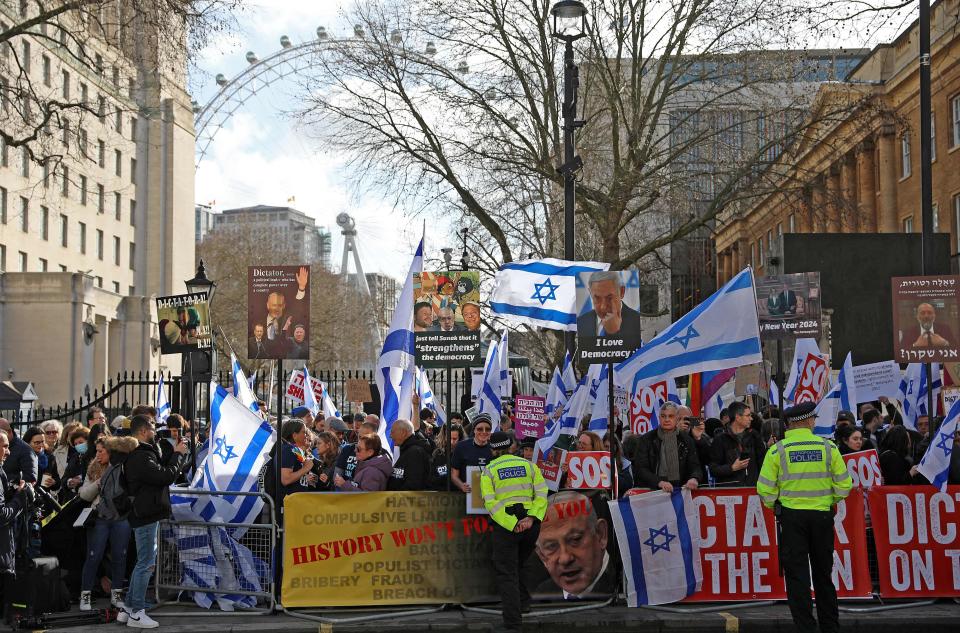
(528, 416)
(789, 305)
(278, 312)
(184, 322)
(446, 318)
(608, 315)
(926, 311)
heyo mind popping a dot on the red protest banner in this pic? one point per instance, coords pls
(915, 529)
(295, 387)
(644, 405)
(588, 469)
(864, 468)
(738, 548)
(813, 379)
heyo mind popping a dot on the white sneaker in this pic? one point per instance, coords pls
(116, 598)
(123, 615)
(140, 620)
(85, 601)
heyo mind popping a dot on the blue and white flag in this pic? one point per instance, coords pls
(162, 405)
(561, 387)
(427, 399)
(935, 465)
(242, 388)
(804, 346)
(540, 292)
(396, 367)
(913, 392)
(659, 544)
(330, 409)
(239, 446)
(841, 397)
(503, 364)
(568, 423)
(773, 395)
(720, 333)
(309, 397)
(488, 398)
(600, 412)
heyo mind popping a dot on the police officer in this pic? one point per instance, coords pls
(802, 479)
(515, 495)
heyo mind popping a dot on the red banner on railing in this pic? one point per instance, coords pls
(738, 548)
(915, 529)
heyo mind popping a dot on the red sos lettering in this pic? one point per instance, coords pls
(813, 377)
(588, 469)
(643, 405)
(864, 468)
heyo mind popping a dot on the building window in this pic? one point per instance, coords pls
(63, 230)
(101, 107)
(83, 190)
(63, 268)
(3, 258)
(44, 223)
(133, 213)
(65, 87)
(99, 244)
(3, 205)
(101, 203)
(99, 282)
(116, 77)
(955, 120)
(116, 205)
(905, 167)
(118, 122)
(43, 265)
(66, 134)
(101, 153)
(933, 137)
(116, 250)
(117, 162)
(133, 128)
(82, 141)
(116, 287)
(47, 79)
(24, 214)
(65, 184)
(83, 238)
(83, 93)
(46, 174)
(4, 96)
(956, 221)
(133, 170)
(133, 258)
(908, 224)
(23, 261)
(98, 63)
(24, 162)
(26, 57)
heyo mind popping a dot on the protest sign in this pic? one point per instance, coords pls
(295, 387)
(950, 395)
(923, 310)
(446, 318)
(645, 405)
(789, 305)
(812, 381)
(384, 548)
(528, 416)
(608, 315)
(358, 390)
(864, 468)
(278, 312)
(876, 380)
(738, 548)
(475, 496)
(915, 530)
(184, 323)
(588, 469)
(751, 380)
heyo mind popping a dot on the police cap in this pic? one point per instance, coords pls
(500, 440)
(800, 412)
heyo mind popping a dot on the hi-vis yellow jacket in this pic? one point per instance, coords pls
(508, 480)
(805, 472)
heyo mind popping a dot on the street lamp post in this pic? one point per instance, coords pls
(198, 284)
(569, 25)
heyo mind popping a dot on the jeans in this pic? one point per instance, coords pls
(146, 538)
(118, 533)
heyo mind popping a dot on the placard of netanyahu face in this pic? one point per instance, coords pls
(608, 315)
(278, 312)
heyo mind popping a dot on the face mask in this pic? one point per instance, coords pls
(81, 448)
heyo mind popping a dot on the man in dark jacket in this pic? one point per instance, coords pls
(148, 482)
(21, 463)
(666, 458)
(13, 501)
(411, 471)
(736, 455)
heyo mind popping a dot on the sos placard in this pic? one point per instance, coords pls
(813, 379)
(644, 406)
(738, 548)
(916, 532)
(588, 469)
(864, 468)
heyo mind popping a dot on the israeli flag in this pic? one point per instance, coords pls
(657, 535)
(503, 364)
(162, 405)
(721, 332)
(396, 367)
(563, 383)
(935, 465)
(600, 413)
(568, 422)
(427, 399)
(913, 392)
(330, 409)
(841, 397)
(540, 292)
(309, 397)
(773, 394)
(488, 400)
(804, 346)
(239, 446)
(242, 389)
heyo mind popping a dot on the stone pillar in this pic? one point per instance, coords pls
(866, 187)
(833, 199)
(805, 212)
(887, 211)
(848, 194)
(818, 216)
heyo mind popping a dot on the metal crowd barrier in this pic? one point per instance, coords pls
(229, 564)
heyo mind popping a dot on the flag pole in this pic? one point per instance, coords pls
(278, 486)
(610, 432)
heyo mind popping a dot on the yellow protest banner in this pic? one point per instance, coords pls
(384, 548)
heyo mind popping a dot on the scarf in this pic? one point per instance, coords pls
(669, 467)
